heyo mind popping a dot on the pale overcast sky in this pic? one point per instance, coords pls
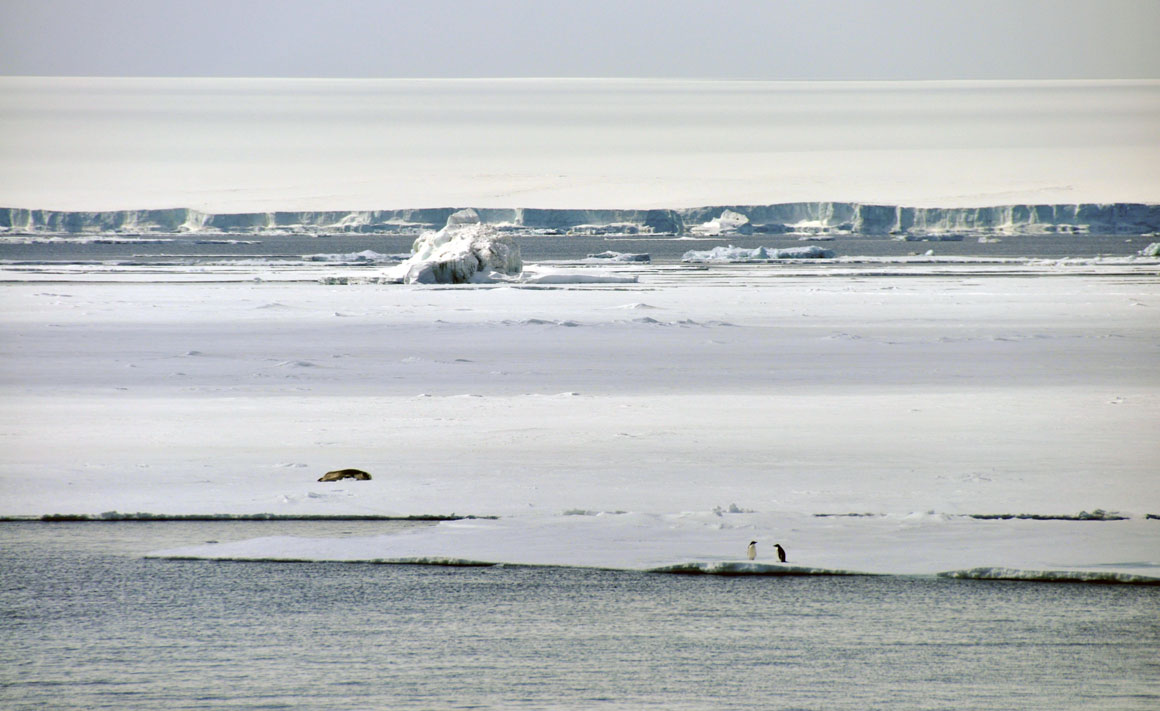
(726, 39)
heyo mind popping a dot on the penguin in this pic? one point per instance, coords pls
(780, 552)
(752, 551)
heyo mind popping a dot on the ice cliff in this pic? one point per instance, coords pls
(783, 218)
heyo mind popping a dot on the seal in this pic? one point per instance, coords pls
(338, 474)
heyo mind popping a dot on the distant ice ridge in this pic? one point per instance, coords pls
(760, 254)
(814, 218)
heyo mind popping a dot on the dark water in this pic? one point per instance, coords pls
(87, 623)
(183, 250)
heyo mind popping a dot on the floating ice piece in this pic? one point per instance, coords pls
(1052, 576)
(366, 256)
(705, 543)
(618, 257)
(1152, 250)
(728, 223)
(759, 254)
(464, 251)
(542, 275)
(931, 237)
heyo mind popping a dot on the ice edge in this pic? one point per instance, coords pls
(719, 568)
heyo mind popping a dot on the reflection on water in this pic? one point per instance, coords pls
(89, 624)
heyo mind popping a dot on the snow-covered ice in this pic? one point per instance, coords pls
(710, 542)
(245, 145)
(918, 399)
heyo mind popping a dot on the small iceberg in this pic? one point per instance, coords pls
(759, 254)
(618, 257)
(729, 223)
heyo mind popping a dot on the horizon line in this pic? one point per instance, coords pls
(751, 80)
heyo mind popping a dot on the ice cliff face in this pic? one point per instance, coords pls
(811, 217)
(464, 251)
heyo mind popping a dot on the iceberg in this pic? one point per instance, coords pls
(465, 251)
(728, 223)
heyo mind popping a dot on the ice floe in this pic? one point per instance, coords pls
(1052, 576)
(706, 542)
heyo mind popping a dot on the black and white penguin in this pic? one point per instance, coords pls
(752, 551)
(780, 552)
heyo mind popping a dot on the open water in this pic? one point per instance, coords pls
(243, 249)
(87, 622)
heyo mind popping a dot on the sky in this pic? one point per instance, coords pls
(714, 39)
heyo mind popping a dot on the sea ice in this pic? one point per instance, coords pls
(705, 542)
(562, 143)
(888, 393)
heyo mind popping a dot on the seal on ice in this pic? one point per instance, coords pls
(339, 474)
